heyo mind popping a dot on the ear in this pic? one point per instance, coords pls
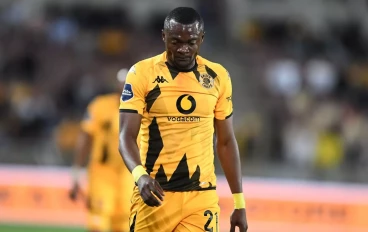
(163, 35)
(202, 37)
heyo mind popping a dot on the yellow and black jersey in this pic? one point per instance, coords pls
(178, 111)
(101, 121)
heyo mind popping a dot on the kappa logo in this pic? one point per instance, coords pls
(127, 92)
(206, 81)
(160, 80)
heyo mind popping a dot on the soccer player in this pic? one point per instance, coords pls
(179, 99)
(110, 184)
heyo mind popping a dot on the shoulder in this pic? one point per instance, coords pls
(146, 64)
(101, 101)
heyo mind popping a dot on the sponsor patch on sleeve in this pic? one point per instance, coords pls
(127, 92)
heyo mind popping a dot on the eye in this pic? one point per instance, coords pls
(193, 42)
(174, 42)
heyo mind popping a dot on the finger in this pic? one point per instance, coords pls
(154, 193)
(146, 199)
(153, 202)
(159, 188)
(149, 202)
(145, 193)
(157, 194)
(242, 229)
(232, 228)
(72, 195)
(149, 198)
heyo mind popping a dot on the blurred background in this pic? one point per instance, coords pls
(299, 72)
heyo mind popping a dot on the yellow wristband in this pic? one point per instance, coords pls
(239, 202)
(137, 172)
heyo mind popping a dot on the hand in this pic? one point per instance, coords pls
(73, 192)
(239, 219)
(150, 190)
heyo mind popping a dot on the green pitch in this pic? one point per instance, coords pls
(36, 228)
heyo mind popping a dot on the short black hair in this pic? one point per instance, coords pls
(184, 15)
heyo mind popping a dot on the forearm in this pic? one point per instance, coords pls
(129, 125)
(129, 151)
(82, 151)
(228, 154)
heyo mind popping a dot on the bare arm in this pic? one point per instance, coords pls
(131, 107)
(82, 152)
(128, 132)
(228, 153)
(129, 128)
(82, 149)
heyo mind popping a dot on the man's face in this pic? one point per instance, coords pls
(182, 43)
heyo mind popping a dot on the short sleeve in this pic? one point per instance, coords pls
(91, 120)
(224, 106)
(133, 96)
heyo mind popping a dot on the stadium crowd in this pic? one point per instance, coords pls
(305, 91)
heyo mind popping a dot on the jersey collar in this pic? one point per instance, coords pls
(163, 58)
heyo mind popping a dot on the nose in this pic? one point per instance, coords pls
(183, 48)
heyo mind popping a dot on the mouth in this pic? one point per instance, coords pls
(182, 58)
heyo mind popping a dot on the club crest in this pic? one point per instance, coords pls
(206, 81)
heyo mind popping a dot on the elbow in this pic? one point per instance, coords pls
(225, 141)
(122, 145)
(126, 143)
(224, 147)
(123, 150)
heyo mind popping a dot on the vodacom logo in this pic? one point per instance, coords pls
(186, 104)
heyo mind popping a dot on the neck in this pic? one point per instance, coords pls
(192, 68)
(189, 68)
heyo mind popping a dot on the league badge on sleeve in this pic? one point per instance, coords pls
(127, 92)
